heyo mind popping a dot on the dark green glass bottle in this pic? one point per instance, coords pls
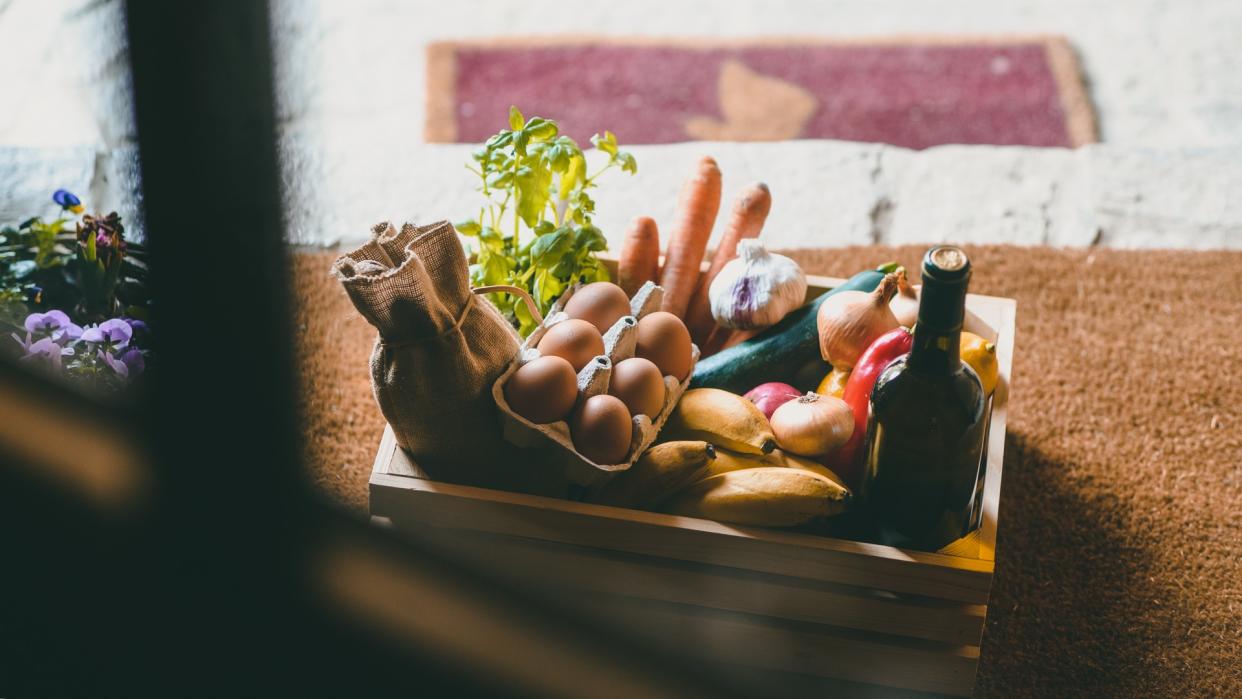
(926, 425)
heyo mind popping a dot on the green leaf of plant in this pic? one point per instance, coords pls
(573, 175)
(567, 268)
(516, 120)
(548, 249)
(494, 269)
(500, 140)
(526, 324)
(547, 288)
(590, 238)
(606, 143)
(542, 129)
(469, 227)
(492, 239)
(557, 158)
(533, 190)
(519, 142)
(628, 164)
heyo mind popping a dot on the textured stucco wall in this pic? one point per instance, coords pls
(825, 193)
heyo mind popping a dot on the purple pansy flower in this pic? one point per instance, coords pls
(48, 350)
(114, 333)
(117, 365)
(54, 324)
(46, 323)
(134, 360)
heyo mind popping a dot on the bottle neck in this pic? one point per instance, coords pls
(938, 332)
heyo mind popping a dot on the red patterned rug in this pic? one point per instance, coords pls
(915, 92)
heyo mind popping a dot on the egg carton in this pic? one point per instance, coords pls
(620, 343)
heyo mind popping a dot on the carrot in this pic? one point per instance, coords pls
(697, 206)
(640, 255)
(750, 210)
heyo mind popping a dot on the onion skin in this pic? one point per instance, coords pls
(850, 321)
(905, 303)
(770, 396)
(812, 425)
(847, 461)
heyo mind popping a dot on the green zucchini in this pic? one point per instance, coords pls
(778, 353)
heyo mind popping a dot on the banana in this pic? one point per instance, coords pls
(805, 464)
(768, 496)
(727, 461)
(661, 471)
(722, 418)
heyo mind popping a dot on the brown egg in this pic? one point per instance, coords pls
(600, 303)
(543, 390)
(639, 384)
(601, 429)
(575, 340)
(663, 339)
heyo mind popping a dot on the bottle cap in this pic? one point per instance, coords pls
(946, 263)
(946, 272)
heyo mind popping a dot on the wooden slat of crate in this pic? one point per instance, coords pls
(413, 499)
(550, 566)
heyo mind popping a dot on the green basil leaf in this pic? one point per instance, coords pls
(606, 143)
(533, 191)
(502, 178)
(590, 238)
(469, 227)
(516, 120)
(526, 324)
(573, 175)
(500, 140)
(628, 164)
(541, 129)
(495, 270)
(548, 249)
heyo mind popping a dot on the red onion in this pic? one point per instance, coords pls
(770, 396)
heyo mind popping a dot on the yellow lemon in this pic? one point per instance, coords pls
(981, 356)
(834, 383)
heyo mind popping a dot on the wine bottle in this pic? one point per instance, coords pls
(925, 429)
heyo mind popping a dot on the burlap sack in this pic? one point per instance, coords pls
(439, 350)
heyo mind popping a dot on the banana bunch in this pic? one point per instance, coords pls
(719, 461)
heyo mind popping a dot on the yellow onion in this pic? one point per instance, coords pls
(905, 303)
(851, 320)
(812, 425)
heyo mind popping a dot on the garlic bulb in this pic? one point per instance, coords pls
(756, 289)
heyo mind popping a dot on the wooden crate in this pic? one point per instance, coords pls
(794, 607)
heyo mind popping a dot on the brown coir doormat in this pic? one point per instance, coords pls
(1120, 552)
(913, 91)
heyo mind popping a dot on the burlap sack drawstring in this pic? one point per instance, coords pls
(516, 291)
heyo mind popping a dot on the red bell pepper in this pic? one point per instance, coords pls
(847, 461)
